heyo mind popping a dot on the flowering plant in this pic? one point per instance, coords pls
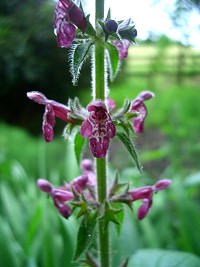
(89, 196)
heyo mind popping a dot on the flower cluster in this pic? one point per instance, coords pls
(97, 122)
(86, 184)
(82, 184)
(127, 33)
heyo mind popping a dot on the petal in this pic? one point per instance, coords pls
(145, 95)
(99, 146)
(80, 183)
(61, 195)
(138, 121)
(141, 193)
(162, 184)
(86, 129)
(111, 129)
(37, 97)
(65, 34)
(144, 208)
(77, 17)
(48, 123)
(48, 132)
(63, 209)
(61, 111)
(44, 185)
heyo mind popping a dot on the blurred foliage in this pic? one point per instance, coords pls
(33, 234)
(31, 60)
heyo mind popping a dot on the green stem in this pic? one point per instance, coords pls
(99, 93)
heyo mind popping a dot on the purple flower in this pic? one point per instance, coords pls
(126, 29)
(144, 208)
(145, 194)
(141, 193)
(52, 109)
(58, 196)
(122, 47)
(99, 128)
(138, 107)
(44, 185)
(66, 15)
(84, 183)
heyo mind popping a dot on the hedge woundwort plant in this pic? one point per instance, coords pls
(88, 195)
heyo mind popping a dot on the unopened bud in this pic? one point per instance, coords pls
(162, 184)
(110, 26)
(44, 185)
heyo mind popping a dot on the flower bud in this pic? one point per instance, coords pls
(86, 165)
(110, 26)
(44, 185)
(162, 184)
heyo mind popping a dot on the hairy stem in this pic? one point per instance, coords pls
(99, 93)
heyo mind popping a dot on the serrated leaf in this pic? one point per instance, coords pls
(79, 142)
(113, 60)
(85, 233)
(125, 139)
(163, 258)
(79, 53)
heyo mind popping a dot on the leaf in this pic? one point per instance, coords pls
(125, 139)
(108, 15)
(163, 258)
(79, 142)
(90, 29)
(85, 233)
(113, 60)
(123, 110)
(79, 53)
(109, 215)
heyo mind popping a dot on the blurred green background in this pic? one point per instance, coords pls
(31, 232)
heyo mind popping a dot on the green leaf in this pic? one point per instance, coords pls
(79, 142)
(125, 139)
(85, 233)
(90, 29)
(78, 55)
(109, 215)
(108, 15)
(123, 110)
(113, 60)
(163, 258)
